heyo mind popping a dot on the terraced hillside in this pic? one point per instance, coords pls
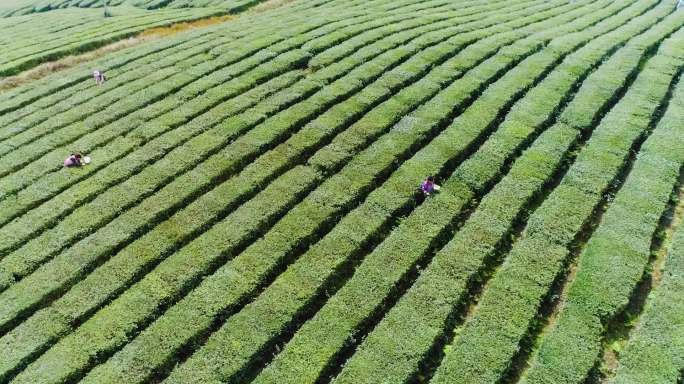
(23, 7)
(250, 213)
(37, 38)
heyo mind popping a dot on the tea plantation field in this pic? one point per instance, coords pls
(250, 214)
(29, 40)
(23, 7)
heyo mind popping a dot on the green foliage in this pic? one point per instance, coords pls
(615, 258)
(16, 8)
(465, 258)
(250, 213)
(517, 290)
(653, 353)
(72, 31)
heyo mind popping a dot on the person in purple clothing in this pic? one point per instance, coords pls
(428, 186)
(74, 160)
(99, 77)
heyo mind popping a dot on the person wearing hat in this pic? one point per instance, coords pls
(99, 77)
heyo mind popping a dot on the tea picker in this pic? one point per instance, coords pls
(76, 160)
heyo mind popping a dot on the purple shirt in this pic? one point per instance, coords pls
(427, 186)
(71, 161)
